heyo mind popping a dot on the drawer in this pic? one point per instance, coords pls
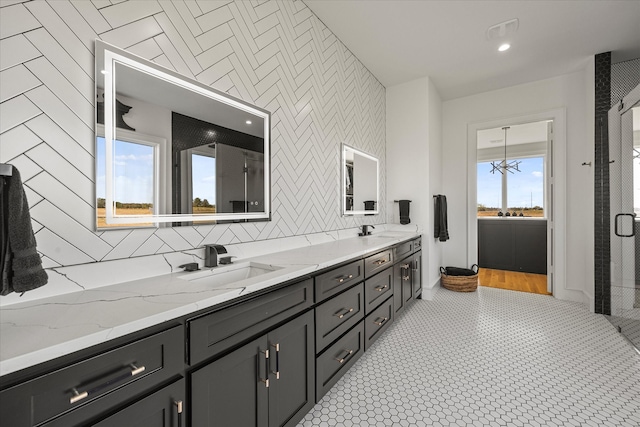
(417, 244)
(218, 331)
(337, 360)
(338, 279)
(377, 289)
(337, 315)
(377, 262)
(377, 322)
(403, 249)
(165, 407)
(85, 389)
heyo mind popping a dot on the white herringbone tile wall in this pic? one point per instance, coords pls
(275, 54)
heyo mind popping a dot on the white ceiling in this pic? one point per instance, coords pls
(402, 40)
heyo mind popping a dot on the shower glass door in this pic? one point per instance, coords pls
(624, 168)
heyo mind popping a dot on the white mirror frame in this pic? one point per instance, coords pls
(114, 55)
(343, 166)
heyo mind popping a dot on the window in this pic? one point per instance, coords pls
(135, 178)
(203, 183)
(521, 192)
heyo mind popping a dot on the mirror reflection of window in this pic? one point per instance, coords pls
(203, 183)
(134, 179)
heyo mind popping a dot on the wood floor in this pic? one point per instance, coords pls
(514, 281)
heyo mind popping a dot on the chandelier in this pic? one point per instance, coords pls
(503, 165)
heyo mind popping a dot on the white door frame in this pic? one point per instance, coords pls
(557, 253)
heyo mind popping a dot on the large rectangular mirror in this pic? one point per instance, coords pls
(360, 182)
(170, 150)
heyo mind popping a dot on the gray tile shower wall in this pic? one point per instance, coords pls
(275, 54)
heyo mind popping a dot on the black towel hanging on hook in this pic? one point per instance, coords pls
(404, 211)
(441, 226)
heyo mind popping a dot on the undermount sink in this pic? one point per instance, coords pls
(228, 275)
(388, 235)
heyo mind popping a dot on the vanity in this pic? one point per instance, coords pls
(194, 349)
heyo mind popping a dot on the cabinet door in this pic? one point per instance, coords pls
(405, 276)
(164, 408)
(233, 390)
(292, 374)
(398, 300)
(416, 274)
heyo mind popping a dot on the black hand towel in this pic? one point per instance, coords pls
(441, 228)
(404, 211)
(22, 267)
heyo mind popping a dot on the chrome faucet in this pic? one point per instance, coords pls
(211, 253)
(365, 230)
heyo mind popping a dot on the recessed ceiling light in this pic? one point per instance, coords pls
(504, 47)
(248, 122)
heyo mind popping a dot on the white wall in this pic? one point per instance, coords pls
(413, 164)
(571, 93)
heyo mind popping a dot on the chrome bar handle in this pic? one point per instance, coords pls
(179, 408)
(381, 288)
(405, 266)
(343, 278)
(343, 312)
(266, 365)
(78, 396)
(277, 371)
(345, 357)
(380, 320)
(380, 261)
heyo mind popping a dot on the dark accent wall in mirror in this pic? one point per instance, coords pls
(181, 153)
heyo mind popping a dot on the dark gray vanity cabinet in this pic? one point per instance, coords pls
(416, 274)
(407, 275)
(88, 388)
(266, 382)
(164, 408)
(402, 287)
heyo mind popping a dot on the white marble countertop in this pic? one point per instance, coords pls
(41, 330)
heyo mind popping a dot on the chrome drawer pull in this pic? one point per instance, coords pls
(341, 313)
(404, 266)
(345, 277)
(380, 320)
(135, 370)
(406, 277)
(179, 408)
(277, 371)
(381, 288)
(78, 396)
(380, 261)
(343, 358)
(266, 371)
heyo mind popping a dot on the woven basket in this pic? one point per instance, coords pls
(459, 283)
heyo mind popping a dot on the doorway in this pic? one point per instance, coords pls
(514, 206)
